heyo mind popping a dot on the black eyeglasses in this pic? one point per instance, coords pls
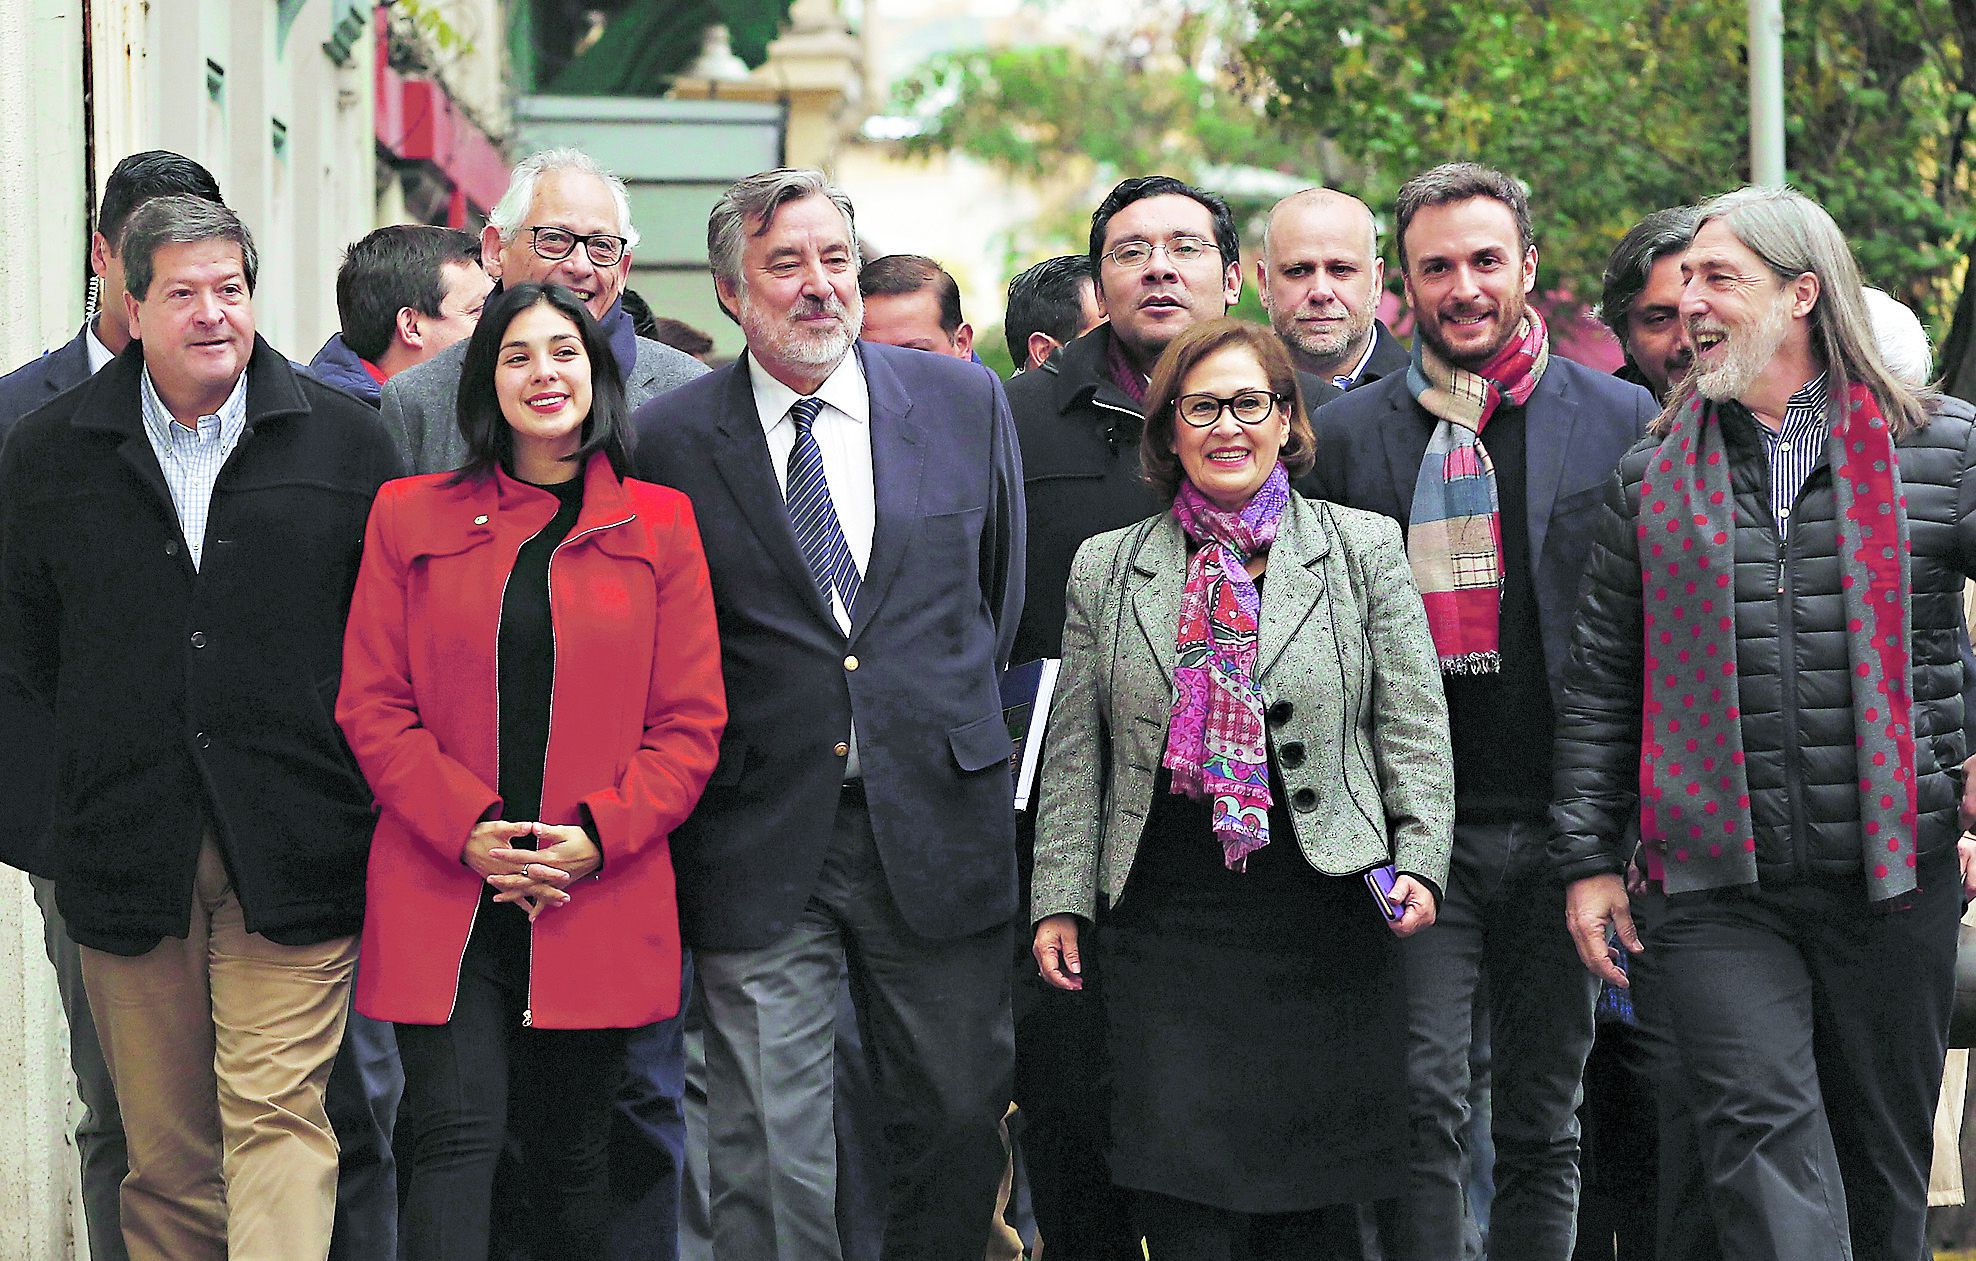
(1251, 407)
(554, 245)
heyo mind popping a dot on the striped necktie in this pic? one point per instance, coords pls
(813, 514)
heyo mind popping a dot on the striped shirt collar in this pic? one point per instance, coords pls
(1796, 448)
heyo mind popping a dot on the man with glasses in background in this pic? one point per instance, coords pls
(1166, 257)
(563, 221)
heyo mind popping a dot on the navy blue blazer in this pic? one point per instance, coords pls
(1371, 441)
(40, 379)
(29, 757)
(930, 631)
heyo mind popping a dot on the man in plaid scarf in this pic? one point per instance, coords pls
(1492, 453)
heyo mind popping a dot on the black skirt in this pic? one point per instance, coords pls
(1256, 1024)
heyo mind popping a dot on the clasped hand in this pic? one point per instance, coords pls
(534, 879)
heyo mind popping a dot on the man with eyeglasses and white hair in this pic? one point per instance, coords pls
(566, 221)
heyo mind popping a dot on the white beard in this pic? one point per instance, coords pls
(1745, 353)
(787, 340)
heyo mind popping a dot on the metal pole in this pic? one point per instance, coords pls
(1766, 92)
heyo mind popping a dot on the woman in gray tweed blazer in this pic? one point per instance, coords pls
(1224, 767)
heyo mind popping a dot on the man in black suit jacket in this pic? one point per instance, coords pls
(99, 1136)
(1464, 234)
(862, 512)
(1321, 279)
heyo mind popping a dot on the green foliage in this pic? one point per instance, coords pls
(1609, 111)
(429, 20)
(1166, 96)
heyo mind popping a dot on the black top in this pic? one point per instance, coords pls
(1501, 723)
(526, 653)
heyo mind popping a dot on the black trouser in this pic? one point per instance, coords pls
(471, 1080)
(1502, 923)
(1812, 1029)
(1685, 1229)
(1063, 1091)
(1181, 1230)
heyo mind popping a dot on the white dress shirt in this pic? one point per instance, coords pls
(843, 437)
(99, 354)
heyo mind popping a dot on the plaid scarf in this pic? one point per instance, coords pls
(1455, 530)
(1694, 791)
(1215, 745)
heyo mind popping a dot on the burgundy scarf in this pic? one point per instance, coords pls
(1694, 792)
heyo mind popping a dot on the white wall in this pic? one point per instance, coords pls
(149, 61)
(41, 299)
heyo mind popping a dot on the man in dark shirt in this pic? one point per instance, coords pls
(403, 294)
(1641, 301)
(1493, 455)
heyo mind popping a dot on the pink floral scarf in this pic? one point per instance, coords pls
(1216, 746)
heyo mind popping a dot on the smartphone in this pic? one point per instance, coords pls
(1380, 881)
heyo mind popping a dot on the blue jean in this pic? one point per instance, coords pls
(648, 1138)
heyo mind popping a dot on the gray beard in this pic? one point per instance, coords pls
(1745, 354)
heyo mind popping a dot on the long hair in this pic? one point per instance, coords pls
(490, 439)
(1794, 235)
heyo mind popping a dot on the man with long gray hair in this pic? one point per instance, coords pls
(1767, 678)
(862, 511)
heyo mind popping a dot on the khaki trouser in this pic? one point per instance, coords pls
(220, 1047)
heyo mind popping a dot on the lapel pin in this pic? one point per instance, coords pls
(481, 519)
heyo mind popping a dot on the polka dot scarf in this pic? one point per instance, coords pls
(1694, 790)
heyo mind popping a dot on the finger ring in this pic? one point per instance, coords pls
(524, 870)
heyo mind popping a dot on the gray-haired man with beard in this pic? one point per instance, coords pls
(1767, 676)
(862, 511)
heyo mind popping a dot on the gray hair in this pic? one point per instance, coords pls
(1794, 236)
(180, 219)
(1904, 345)
(745, 209)
(1653, 238)
(1451, 182)
(508, 213)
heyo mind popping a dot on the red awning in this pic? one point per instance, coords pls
(418, 121)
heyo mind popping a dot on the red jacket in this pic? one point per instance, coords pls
(636, 716)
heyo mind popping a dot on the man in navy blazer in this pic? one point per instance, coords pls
(861, 507)
(1468, 262)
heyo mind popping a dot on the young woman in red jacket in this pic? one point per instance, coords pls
(531, 684)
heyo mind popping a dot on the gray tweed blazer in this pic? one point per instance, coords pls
(418, 403)
(1355, 711)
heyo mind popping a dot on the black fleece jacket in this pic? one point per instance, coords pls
(177, 700)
